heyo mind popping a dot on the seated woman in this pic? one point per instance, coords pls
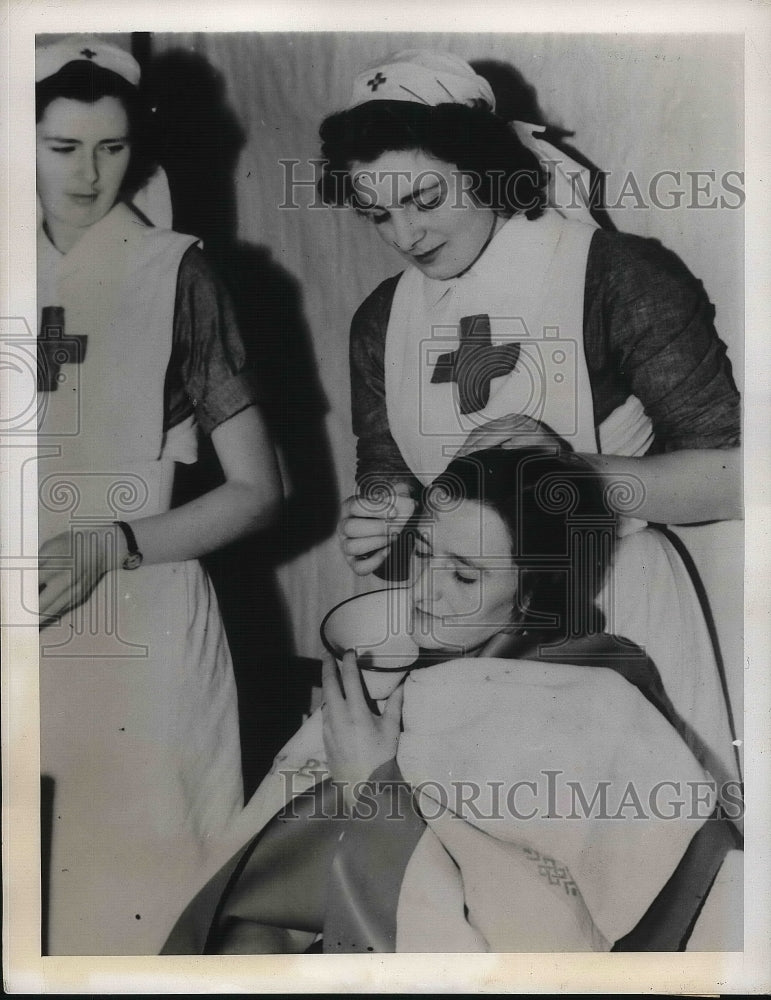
(522, 785)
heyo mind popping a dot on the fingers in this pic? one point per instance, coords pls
(367, 528)
(55, 593)
(65, 565)
(359, 518)
(363, 565)
(369, 537)
(344, 694)
(53, 565)
(46, 577)
(358, 547)
(352, 688)
(374, 528)
(69, 598)
(360, 535)
(513, 430)
(353, 507)
(330, 684)
(65, 580)
(393, 708)
(63, 594)
(391, 506)
(364, 542)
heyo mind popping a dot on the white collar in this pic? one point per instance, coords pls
(512, 243)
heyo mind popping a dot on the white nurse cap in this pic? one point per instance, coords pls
(49, 59)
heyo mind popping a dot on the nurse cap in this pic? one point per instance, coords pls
(49, 59)
(421, 76)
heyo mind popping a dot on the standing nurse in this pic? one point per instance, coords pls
(138, 348)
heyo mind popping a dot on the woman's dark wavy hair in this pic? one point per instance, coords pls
(84, 81)
(506, 176)
(561, 529)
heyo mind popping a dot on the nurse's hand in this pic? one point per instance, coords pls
(368, 526)
(71, 564)
(356, 741)
(514, 430)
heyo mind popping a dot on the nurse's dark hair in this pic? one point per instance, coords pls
(562, 531)
(504, 175)
(86, 82)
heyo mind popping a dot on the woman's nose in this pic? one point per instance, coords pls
(408, 230)
(89, 168)
(427, 585)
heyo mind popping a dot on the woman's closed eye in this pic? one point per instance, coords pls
(461, 573)
(425, 201)
(113, 148)
(372, 216)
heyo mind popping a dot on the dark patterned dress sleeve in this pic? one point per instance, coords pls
(377, 455)
(661, 342)
(207, 368)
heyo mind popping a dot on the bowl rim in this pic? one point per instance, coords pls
(338, 653)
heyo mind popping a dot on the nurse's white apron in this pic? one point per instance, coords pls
(139, 723)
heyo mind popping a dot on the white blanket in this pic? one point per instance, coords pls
(512, 857)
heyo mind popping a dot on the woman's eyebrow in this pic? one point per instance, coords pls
(79, 142)
(419, 192)
(465, 561)
(411, 196)
(453, 556)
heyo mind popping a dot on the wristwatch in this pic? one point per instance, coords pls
(133, 558)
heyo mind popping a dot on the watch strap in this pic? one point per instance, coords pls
(133, 559)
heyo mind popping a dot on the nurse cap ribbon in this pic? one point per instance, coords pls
(49, 59)
(421, 76)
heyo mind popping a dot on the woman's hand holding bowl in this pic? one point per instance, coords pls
(356, 741)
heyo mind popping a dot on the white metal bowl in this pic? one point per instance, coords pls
(376, 626)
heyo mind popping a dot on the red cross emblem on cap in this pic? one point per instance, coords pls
(376, 80)
(88, 53)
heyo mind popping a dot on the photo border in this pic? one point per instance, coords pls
(23, 968)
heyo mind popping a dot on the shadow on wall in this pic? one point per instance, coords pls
(517, 100)
(199, 141)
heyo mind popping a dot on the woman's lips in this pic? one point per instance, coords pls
(422, 621)
(428, 256)
(84, 199)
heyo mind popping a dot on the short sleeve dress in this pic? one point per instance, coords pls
(139, 724)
